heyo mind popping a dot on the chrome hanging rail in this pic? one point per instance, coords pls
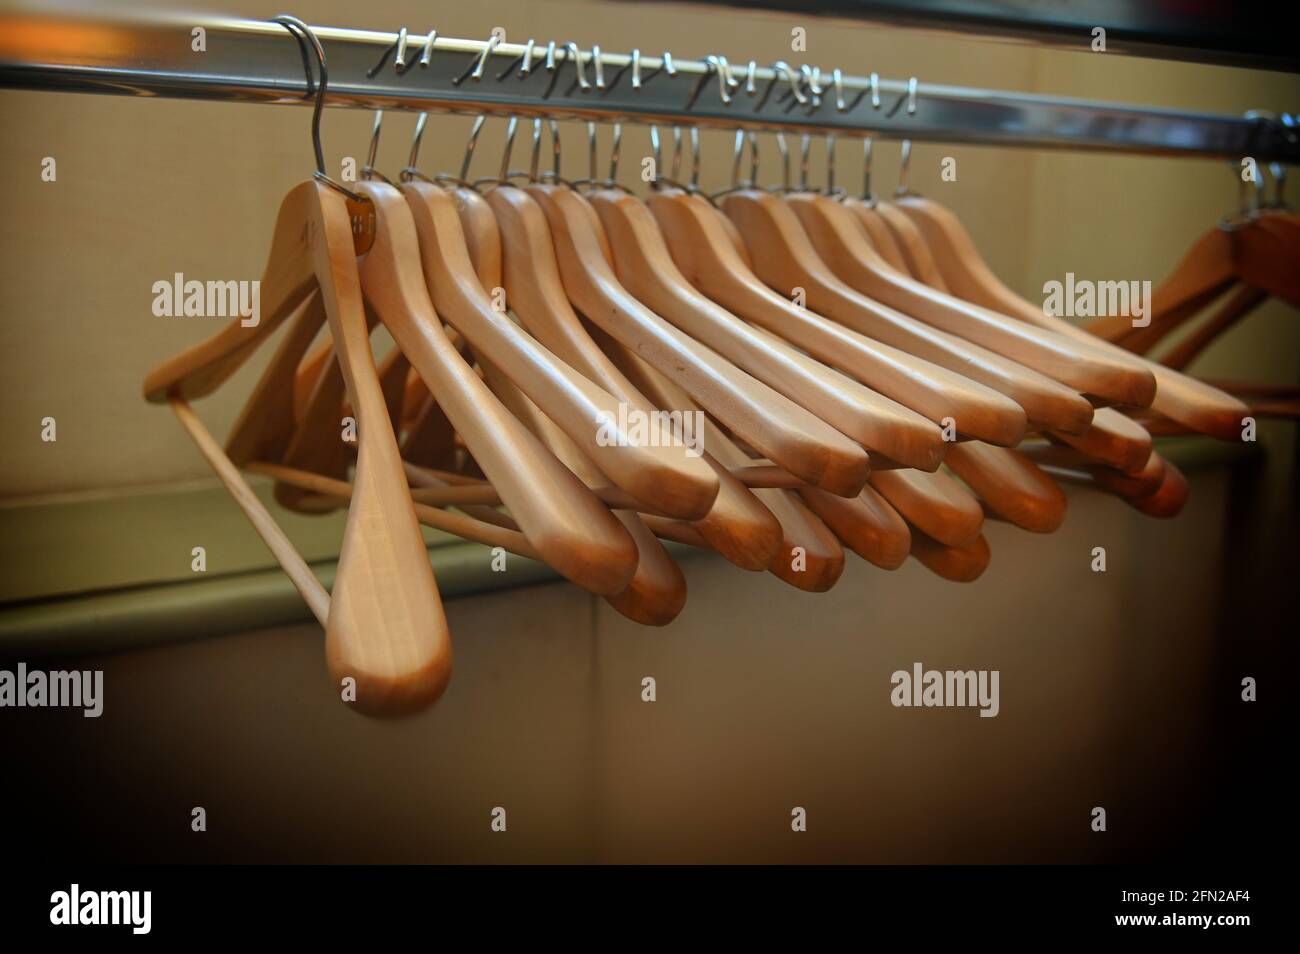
(257, 61)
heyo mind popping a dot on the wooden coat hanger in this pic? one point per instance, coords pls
(1203, 408)
(656, 592)
(386, 627)
(738, 526)
(964, 564)
(385, 630)
(1008, 484)
(764, 419)
(841, 243)
(645, 267)
(662, 477)
(572, 530)
(785, 258)
(702, 244)
(713, 263)
(810, 556)
(1112, 437)
(288, 277)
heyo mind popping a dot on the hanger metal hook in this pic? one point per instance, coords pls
(665, 66)
(399, 48)
(535, 156)
(576, 54)
(368, 171)
(614, 149)
(656, 150)
(782, 68)
(725, 82)
(503, 174)
(695, 158)
(830, 167)
(785, 161)
(555, 149)
(867, 195)
(805, 152)
(469, 146)
(837, 80)
(908, 97)
(716, 64)
(304, 35)
(475, 70)
(742, 137)
(904, 162)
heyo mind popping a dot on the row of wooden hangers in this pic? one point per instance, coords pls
(826, 422)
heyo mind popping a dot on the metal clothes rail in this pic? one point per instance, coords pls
(257, 61)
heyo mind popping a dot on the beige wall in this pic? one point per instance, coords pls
(148, 188)
(768, 699)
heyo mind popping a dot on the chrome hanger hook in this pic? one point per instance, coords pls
(805, 152)
(469, 147)
(830, 167)
(742, 138)
(368, 171)
(781, 68)
(908, 97)
(785, 162)
(614, 149)
(475, 70)
(535, 157)
(304, 35)
(868, 196)
(837, 80)
(399, 48)
(904, 162)
(503, 174)
(576, 54)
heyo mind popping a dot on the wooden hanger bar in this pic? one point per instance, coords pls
(286, 554)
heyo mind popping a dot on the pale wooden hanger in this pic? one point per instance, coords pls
(656, 592)
(572, 530)
(388, 634)
(288, 277)
(914, 393)
(784, 257)
(1112, 437)
(1197, 405)
(769, 422)
(842, 244)
(663, 477)
(964, 564)
(706, 250)
(810, 556)
(738, 526)
(645, 267)
(935, 504)
(1008, 484)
